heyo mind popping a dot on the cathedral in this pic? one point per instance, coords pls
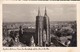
(42, 36)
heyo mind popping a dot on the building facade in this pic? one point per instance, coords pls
(42, 37)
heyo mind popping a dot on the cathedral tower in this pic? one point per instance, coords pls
(39, 29)
(42, 37)
(47, 28)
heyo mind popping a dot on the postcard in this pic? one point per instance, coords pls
(39, 26)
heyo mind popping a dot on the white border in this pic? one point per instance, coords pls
(51, 49)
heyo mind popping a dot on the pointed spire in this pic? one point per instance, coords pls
(39, 11)
(45, 11)
(32, 41)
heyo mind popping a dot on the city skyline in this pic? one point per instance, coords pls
(28, 12)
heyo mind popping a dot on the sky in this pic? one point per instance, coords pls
(28, 12)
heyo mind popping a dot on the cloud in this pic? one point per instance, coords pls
(28, 12)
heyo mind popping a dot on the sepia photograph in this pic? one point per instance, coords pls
(39, 25)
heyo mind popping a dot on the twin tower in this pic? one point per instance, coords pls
(42, 37)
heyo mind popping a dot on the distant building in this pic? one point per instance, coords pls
(42, 37)
(25, 35)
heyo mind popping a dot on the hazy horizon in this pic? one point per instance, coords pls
(34, 22)
(28, 12)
